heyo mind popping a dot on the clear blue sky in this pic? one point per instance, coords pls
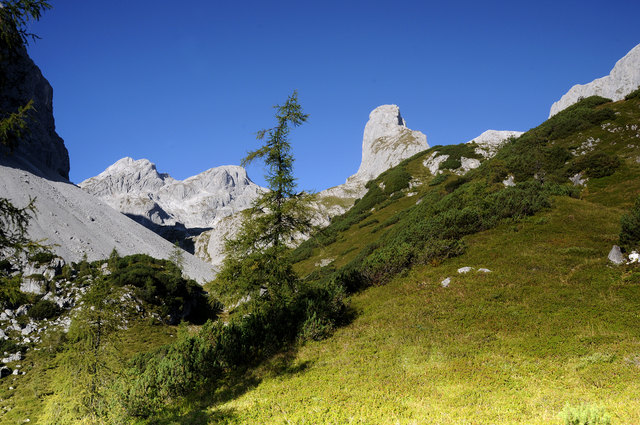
(187, 84)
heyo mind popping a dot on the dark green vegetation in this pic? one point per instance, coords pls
(550, 335)
(257, 258)
(128, 306)
(630, 228)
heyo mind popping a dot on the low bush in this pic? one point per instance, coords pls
(10, 294)
(396, 179)
(440, 178)
(303, 252)
(455, 183)
(630, 228)
(42, 257)
(8, 346)
(633, 95)
(44, 309)
(160, 284)
(350, 278)
(585, 414)
(368, 223)
(595, 164)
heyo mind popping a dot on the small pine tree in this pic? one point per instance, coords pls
(257, 257)
(177, 256)
(114, 257)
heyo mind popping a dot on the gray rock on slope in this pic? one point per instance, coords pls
(75, 223)
(622, 80)
(615, 255)
(138, 190)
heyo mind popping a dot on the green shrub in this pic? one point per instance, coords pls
(42, 257)
(368, 223)
(438, 179)
(396, 179)
(387, 261)
(532, 153)
(160, 283)
(44, 309)
(301, 253)
(585, 414)
(595, 164)
(630, 227)
(8, 346)
(350, 278)
(450, 163)
(455, 183)
(10, 294)
(633, 95)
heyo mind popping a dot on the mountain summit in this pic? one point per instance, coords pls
(166, 205)
(386, 142)
(622, 80)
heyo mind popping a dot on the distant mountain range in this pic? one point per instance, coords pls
(199, 209)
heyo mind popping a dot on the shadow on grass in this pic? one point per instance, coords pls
(205, 405)
(197, 417)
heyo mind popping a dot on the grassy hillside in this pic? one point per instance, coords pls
(552, 327)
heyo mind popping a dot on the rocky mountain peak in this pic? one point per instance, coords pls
(168, 206)
(386, 142)
(126, 176)
(622, 80)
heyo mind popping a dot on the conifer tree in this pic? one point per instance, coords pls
(257, 258)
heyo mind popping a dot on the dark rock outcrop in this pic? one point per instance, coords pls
(40, 150)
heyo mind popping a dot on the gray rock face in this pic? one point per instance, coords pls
(138, 190)
(40, 150)
(74, 223)
(622, 80)
(386, 142)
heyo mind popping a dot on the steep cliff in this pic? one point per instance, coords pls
(40, 150)
(622, 80)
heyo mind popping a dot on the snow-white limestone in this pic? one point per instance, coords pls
(433, 162)
(137, 189)
(489, 142)
(385, 143)
(622, 80)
